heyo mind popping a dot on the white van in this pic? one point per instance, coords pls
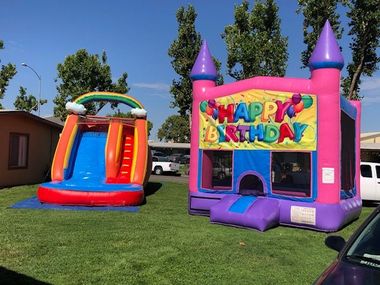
(370, 181)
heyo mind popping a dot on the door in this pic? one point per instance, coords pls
(368, 182)
(251, 184)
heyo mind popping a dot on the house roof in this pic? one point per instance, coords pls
(55, 120)
(31, 116)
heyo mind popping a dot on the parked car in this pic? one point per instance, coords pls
(158, 153)
(358, 261)
(175, 157)
(179, 158)
(370, 181)
(160, 165)
(185, 159)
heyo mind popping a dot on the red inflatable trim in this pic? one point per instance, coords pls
(82, 198)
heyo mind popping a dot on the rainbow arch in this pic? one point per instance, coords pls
(109, 96)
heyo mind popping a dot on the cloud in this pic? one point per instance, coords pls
(140, 113)
(154, 86)
(75, 108)
(370, 84)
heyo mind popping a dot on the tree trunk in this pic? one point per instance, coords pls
(355, 79)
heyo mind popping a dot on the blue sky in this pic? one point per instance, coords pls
(136, 36)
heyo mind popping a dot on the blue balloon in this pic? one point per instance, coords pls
(215, 114)
(291, 111)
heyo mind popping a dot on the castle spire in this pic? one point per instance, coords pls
(204, 67)
(326, 53)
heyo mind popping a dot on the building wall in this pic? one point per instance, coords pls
(43, 139)
(371, 140)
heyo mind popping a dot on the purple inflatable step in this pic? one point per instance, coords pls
(259, 213)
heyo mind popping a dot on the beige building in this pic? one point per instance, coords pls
(370, 147)
(27, 144)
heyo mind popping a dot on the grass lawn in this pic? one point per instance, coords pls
(160, 244)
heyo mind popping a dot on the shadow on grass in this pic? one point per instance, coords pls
(152, 187)
(12, 277)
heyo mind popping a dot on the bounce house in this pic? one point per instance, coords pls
(270, 151)
(99, 161)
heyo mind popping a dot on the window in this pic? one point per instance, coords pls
(217, 170)
(347, 176)
(18, 150)
(366, 170)
(290, 173)
(377, 171)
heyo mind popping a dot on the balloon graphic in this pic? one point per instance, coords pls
(203, 106)
(296, 98)
(209, 111)
(299, 107)
(211, 103)
(215, 114)
(307, 101)
(291, 112)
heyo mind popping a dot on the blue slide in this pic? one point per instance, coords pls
(86, 170)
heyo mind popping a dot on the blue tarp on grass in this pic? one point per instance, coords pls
(34, 203)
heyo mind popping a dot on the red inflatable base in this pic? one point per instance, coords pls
(84, 198)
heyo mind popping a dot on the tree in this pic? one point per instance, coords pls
(175, 129)
(6, 74)
(82, 73)
(315, 13)
(27, 103)
(184, 51)
(254, 42)
(129, 115)
(365, 32)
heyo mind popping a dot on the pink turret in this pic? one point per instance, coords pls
(203, 75)
(325, 64)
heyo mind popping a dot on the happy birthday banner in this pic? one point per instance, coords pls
(259, 119)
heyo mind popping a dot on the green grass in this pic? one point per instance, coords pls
(161, 244)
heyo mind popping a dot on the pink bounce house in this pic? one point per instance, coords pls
(270, 151)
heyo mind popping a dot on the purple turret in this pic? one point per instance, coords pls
(327, 52)
(204, 67)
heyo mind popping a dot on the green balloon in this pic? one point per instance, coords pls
(203, 106)
(307, 101)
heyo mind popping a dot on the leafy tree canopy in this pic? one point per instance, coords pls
(27, 103)
(315, 13)
(175, 129)
(6, 74)
(254, 42)
(184, 51)
(82, 73)
(365, 32)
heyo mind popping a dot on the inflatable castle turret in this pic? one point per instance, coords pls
(268, 151)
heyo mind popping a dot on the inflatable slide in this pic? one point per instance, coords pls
(99, 161)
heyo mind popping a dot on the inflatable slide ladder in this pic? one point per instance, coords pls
(260, 213)
(124, 175)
